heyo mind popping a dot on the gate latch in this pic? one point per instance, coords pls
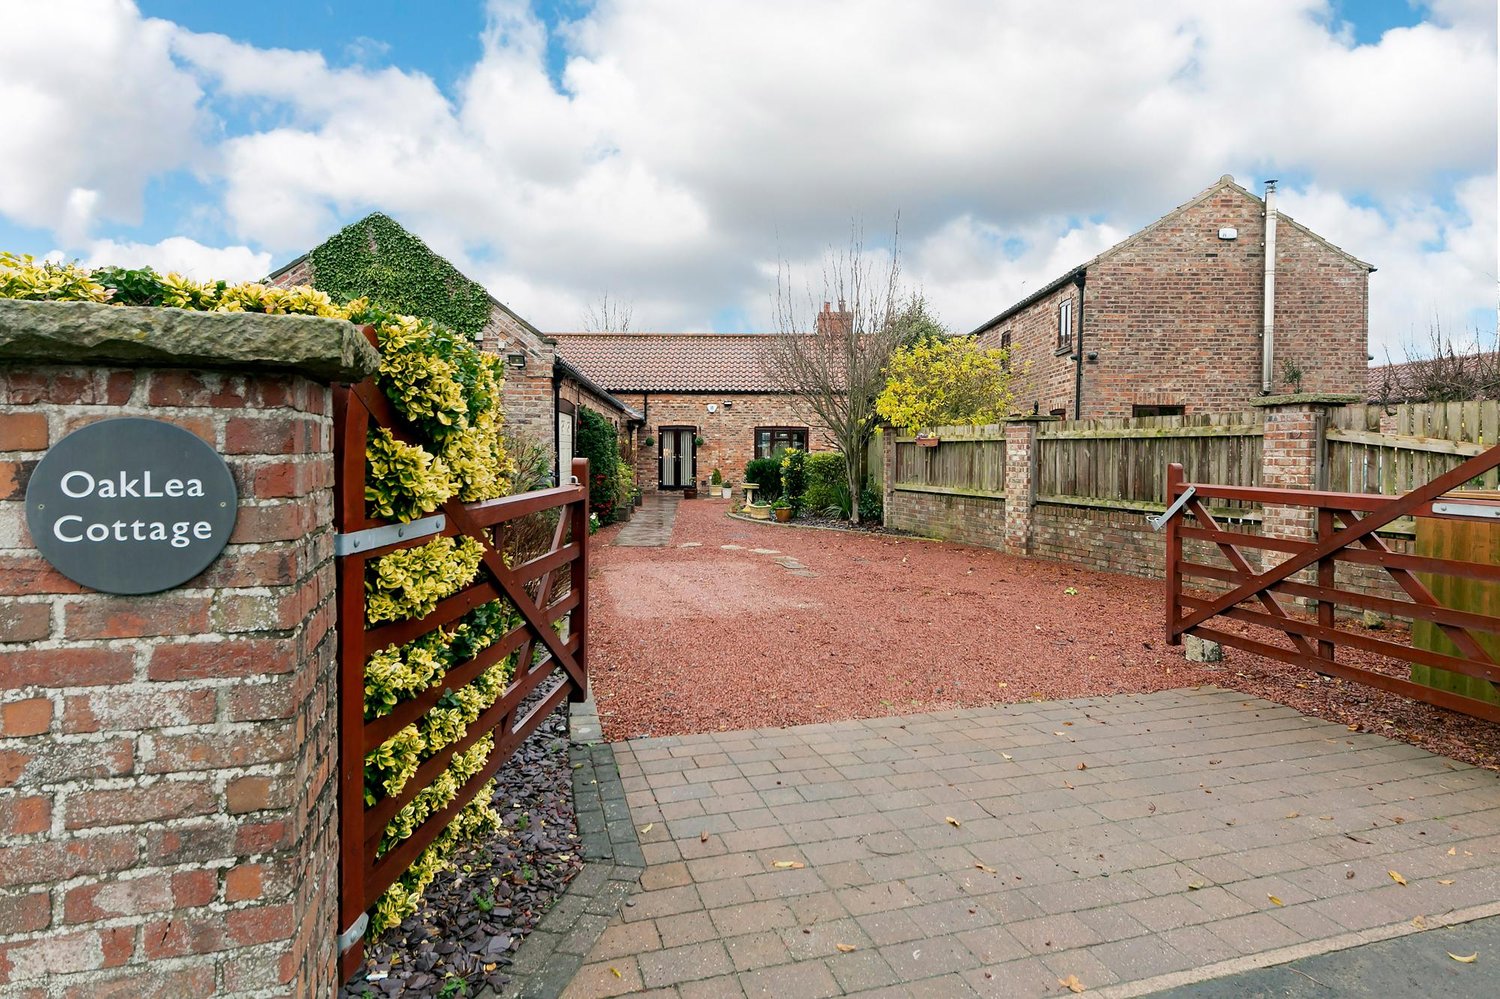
(352, 935)
(1157, 523)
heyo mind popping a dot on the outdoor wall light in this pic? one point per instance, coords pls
(1093, 356)
(713, 408)
(728, 404)
(515, 360)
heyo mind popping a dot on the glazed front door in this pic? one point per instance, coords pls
(677, 458)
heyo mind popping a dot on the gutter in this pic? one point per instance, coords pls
(1079, 279)
(1268, 308)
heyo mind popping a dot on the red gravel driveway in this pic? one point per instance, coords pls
(747, 625)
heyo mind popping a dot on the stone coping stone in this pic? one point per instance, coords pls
(130, 336)
(1307, 398)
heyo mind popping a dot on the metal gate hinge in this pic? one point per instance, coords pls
(378, 537)
(354, 934)
(1157, 523)
(1467, 510)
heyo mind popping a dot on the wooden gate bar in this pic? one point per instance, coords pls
(544, 684)
(1343, 520)
(1398, 506)
(1436, 613)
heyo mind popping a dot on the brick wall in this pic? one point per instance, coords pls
(1175, 316)
(728, 432)
(167, 817)
(974, 520)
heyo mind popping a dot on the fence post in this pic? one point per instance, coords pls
(580, 575)
(1020, 480)
(1291, 458)
(1174, 556)
(887, 473)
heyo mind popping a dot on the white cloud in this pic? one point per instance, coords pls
(692, 144)
(94, 107)
(185, 256)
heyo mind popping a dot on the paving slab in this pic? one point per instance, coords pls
(652, 523)
(1137, 842)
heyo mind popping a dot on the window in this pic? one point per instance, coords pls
(1064, 325)
(1005, 346)
(1156, 410)
(771, 441)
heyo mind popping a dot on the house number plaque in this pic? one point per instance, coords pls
(131, 505)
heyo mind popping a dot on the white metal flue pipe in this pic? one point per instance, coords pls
(1268, 327)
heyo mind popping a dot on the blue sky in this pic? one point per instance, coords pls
(671, 154)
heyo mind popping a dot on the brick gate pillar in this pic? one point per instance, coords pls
(1293, 456)
(887, 473)
(168, 820)
(1020, 480)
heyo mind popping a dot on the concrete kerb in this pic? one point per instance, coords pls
(552, 954)
(1295, 952)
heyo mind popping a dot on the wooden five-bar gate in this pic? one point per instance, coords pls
(1346, 534)
(543, 583)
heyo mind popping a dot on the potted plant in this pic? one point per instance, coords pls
(728, 489)
(698, 440)
(648, 441)
(690, 491)
(635, 496)
(783, 510)
(715, 480)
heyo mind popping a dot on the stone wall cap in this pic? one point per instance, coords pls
(132, 336)
(1307, 398)
(1032, 418)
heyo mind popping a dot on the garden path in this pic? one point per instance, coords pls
(651, 525)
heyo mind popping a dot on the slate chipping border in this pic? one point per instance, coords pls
(553, 952)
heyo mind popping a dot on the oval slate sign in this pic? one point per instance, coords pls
(131, 505)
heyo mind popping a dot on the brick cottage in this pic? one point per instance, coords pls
(1173, 319)
(691, 386)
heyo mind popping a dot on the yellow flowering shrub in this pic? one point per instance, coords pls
(945, 382)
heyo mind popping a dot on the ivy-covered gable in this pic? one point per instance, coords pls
(376, 258)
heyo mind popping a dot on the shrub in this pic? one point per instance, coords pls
(794, 476)
(825, 479)
(766, 473)
(871, 503)
(598, 443)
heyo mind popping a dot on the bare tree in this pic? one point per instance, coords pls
(833, 362)
(1443, 370)
(608, 317)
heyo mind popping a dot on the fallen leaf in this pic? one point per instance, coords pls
(1275, 900)
(1071, 591)
(1151, 808)
(703, 836)
(1354, 727)
(1452, 851)
(1326, 818)
(1396, 877)
(1291, 815)
(615, 971)
(986, 868)
(845, 948)
(952, 821)
(1196, 885)
(1007, 756)
(1419, 922)
(1464, 960)
(1003, 685)
(1072, 984)
(1083, 766)
(1348, 875)
(788, 865)
(1059, 733)
(1067, 785)
(1447, 882)
(647, 827)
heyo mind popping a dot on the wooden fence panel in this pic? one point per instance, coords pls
(1123, 462)
(969, 460)
(1375, 449)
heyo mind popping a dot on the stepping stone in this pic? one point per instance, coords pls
(691, 544)
(766, 551)
(733, 548)
(803, 573)
(790, 563)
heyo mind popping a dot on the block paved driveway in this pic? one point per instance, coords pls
(1136, 842)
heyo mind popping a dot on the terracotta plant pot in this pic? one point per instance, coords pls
(926, 440)
(784, 514)
(691, 492)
